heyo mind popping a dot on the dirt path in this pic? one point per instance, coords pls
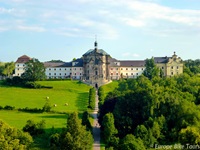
(96, 127)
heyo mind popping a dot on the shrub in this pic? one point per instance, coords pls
(92, 94)
(34, 128)
(33, 85)
(7, 107)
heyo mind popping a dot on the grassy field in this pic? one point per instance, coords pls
(110, 87)
(72, 92)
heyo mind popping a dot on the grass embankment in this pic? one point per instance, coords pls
(110, 87)
(74, 93)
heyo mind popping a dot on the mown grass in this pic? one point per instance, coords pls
(18, 119)
(74, 93)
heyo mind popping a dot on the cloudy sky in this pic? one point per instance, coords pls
(126, 29)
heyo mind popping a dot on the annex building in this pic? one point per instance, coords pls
(96, 67)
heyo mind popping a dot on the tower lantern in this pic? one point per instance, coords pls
(95, 44)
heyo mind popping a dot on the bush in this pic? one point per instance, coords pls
(7, 107)
(33, 85)
(34, 128)
(92, 94)
(32, 110)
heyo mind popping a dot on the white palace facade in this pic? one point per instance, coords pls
(96, 67)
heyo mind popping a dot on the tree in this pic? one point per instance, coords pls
(34, 128)
(34, 71)
(109, 129)
(86, 121)
(75, 137)
(12, 138)
(8, 69)
(151, 70)
(130, 142)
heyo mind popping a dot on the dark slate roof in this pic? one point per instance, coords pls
(101, 51)
(132, 63)
(80, 62)
(54, 64)
(23, 59)
(161, 59)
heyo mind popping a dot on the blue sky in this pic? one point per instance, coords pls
(126, 29)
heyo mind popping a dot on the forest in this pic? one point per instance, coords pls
(153, 111)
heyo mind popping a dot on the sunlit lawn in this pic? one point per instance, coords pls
(74, 93)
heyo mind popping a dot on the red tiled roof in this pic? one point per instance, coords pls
(23, 59)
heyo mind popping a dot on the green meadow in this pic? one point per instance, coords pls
(110, 87)
(74, 93)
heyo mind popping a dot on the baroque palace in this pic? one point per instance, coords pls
(96, 67)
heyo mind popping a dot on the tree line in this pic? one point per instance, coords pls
(151, 110)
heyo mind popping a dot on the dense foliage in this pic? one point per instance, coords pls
(92, 94)
(74, 137)
(34, 71)
(7, 69)
(192, 66)
(156, 111)
(12, 138)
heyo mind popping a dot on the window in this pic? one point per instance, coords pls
(70, 69)
(49, 68)
(126, 68)
(74, 68)
(136, 68)
(65, 69)
(172, 73)
(126, 73)
(137, 74)
(142, 68)
(60, 74)
(55, 74)
(17, 65)
(117, 74)
(80, 68)
(80, 74)
(18, 69)
(172, 67)
(54, 68)
(131, 73)
(60, 68)
(75, 74)
(162, 67)
(65, 74)
(121, 68)
(131, 68)
(49, 73)
(111, 68)
(111, 74)
(177, 67)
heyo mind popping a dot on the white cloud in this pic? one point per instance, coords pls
(31, 28)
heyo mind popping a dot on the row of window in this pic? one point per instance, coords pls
(122, 74)
(65, 74)
(172, 67)
(127, 68)
(64, 69)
